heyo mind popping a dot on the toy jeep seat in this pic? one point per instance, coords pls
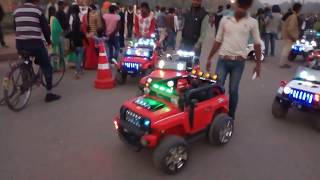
(203, 92)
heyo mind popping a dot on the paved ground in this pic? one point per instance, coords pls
(74, 139)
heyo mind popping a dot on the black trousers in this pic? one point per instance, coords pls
(1, 36)
(39, 51)
(130, 29)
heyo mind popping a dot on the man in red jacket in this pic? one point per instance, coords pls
(144, 23)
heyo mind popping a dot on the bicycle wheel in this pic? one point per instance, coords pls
(58, 67)
(17, 88)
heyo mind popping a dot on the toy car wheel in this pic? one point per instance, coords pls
(221, 129)
(292, 56)
(317, 126)
(121, 78)
(171, 155)
(279, 110)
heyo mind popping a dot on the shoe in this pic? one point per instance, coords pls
(52, 97)
(77, 76)
(285, 66)
(4, 46)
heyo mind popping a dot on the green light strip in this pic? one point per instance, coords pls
(163, 88)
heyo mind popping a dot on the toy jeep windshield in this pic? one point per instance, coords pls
(139, 52)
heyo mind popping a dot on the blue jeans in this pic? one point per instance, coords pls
(113, 44)
(235, 70)
(79, 53)
(171, 40)
(270, 38)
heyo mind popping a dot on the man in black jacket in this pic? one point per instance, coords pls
(61, 16)
(3, 44)
(196, 22)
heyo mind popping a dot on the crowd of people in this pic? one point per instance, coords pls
(117, 23)
(113, 21)
(85, 27)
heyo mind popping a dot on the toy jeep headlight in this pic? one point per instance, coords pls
(146, 123)
(287, 90)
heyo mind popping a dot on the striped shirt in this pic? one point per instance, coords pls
(30, 23)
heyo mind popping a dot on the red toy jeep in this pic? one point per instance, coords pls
(313, 59)
(138, 60)
(171, 113)
(171, 65)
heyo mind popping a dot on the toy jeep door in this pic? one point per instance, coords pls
(202, 115)
(201, 107)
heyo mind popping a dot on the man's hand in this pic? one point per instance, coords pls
(48, 45)
(208, 66)
(216, 46)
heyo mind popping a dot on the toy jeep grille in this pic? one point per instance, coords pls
(134, 124)
(301, 96)
(133, 118)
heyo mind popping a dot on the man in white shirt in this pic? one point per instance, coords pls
(232, 40)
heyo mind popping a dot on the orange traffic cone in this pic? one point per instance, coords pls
(104, 75)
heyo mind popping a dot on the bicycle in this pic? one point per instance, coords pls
(22, 76)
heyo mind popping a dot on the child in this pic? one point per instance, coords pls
(100, 38)
(76, 37)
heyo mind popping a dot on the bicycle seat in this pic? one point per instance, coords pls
(25, 54)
